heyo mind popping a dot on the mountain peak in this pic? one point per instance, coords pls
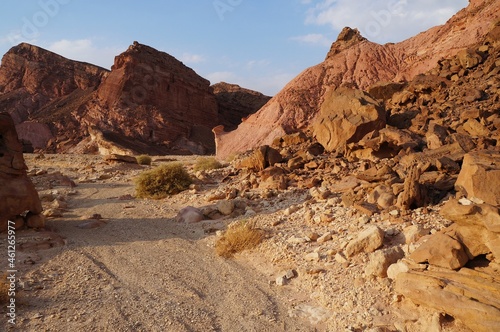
(347, 38)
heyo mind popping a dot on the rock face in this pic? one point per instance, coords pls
(151, 97)
(346, 116)
(480, 176)
(359, 63)
(236, 103)
(17, 193)
(31, 79)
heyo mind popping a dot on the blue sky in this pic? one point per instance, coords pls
(258, 44)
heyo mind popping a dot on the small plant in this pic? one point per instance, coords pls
(144, 159)
(206, 164)
(238, 237)
(165, 180)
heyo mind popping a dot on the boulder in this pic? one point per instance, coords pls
(17, 192)
(260, 158)
(189, 215)
(346, 116)
(226, 207)
(477, 227)
(480, 176)
(470, 296)
(441, 250)
(380, 260)
(367, 241)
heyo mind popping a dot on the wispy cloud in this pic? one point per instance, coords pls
(85, 50)
(190, 58)
(252, 64)
(15, 37)
(313, 38)
(381, 20)
(221, 76)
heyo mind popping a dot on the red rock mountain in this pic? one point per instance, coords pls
(236, 103)
(356, 62)
(152, 98)
(149, 103)
(32, 78)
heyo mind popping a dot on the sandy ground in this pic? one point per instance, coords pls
(113, 262)
(140, 270)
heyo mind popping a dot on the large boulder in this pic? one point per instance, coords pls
(346, 116)
(17, 192)
(472, 297)
(480, 176)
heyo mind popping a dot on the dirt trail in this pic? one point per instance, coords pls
(141, 271)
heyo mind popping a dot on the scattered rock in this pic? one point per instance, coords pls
(441, 250)
(189, 215)
(367, 241)
(380, 260)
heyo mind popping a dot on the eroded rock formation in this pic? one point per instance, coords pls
(19, 202)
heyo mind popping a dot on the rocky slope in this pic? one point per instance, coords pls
(357, 62)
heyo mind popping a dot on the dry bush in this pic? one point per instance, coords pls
(206, 164)
(160, 182)
(238, 237)
(144, 159)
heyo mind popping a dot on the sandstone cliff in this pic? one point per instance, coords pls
(153, 98)
(236, 103)
(357, 62)
(32, 78)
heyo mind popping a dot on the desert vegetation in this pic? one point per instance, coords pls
(160, 182)
(144, 159)
(239, 236)
(206, 164)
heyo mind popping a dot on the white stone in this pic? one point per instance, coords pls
(313, 256)
(325, 237)
(225, 207)
(397, 268)
(367, 241)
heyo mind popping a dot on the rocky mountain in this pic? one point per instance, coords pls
(152, 98)
(33, 79)
(236, 103)
(356, 62)
(148, 103)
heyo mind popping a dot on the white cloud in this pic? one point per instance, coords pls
(15, 37)
(85, 50)
(189, 58)
(252, 64)
(381, 20)
(313, 38)
(221, 76)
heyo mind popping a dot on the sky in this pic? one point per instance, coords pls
(258, 44)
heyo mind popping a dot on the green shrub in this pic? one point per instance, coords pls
(144, 159)
(206, 164)
(239, 236)
(162, 181)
